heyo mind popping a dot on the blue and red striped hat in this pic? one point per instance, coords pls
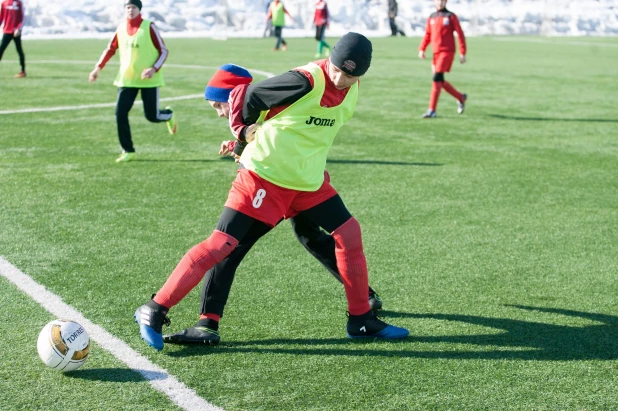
(224, 80)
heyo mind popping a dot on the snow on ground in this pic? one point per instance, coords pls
(246, 18)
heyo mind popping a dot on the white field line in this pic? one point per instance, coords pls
(557, 43)
(87, 106)
(101, 105)
(158, 378)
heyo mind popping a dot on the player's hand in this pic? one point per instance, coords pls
(250, 132)
(17, 33)
(148, 73)
(421, 54)
(462, 59)
(94, 75)
(224, 150)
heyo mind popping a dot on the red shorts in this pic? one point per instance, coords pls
(442, 62)
(252, 195)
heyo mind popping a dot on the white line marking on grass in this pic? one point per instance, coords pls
(87, 106)
(158, 378)
(102, 105)
(556, 43)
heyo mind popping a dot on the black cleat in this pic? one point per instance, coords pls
(368, 325)
(374, 300)
(194, 335)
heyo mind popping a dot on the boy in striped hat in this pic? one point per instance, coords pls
(218, 280)
(289, 123)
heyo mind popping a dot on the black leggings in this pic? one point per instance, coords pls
(124, 103)
(330, 214)
(6, 40)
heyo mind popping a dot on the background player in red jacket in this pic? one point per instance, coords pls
(320, 19)
(12, 17)
(439, 31)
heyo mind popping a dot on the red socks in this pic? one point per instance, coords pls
(192, 267)
(436, 87)
(448, 87)
(352, 266)
(210, 316)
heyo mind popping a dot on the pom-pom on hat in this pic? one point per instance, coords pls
(136, 3)
(352, 54)
(224, 80)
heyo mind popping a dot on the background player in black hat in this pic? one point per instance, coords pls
(298, 114)
(218, 280)
(393, 10)
(142, 54)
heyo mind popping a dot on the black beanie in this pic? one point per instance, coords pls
(136, 3)
(352, 54)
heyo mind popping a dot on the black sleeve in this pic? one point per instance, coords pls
(281, 90)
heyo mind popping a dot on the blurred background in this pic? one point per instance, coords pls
(246, 18)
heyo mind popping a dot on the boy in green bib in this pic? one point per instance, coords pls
(285, 127)
(142, 54)
(276, 14)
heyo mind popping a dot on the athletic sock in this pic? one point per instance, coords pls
(210, 316)
(192, 267)
(208, 323)
(320, 46)
(436, 87)
(352, 265)
(448, 87)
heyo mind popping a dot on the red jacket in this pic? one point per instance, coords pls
(11, 15)
(439, 31)
(320, 16)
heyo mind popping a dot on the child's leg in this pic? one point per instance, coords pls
(436, 88)
(448, 87)
(192, 267)
(20, 52)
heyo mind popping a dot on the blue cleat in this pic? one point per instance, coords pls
(151, 322)
(369, 325)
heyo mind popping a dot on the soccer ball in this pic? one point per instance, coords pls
(63, 345)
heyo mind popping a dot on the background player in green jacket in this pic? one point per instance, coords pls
(142, 54)
(276, 13)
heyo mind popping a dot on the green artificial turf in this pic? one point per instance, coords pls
(492, 235)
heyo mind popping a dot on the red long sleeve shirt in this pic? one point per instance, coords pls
(132, 27)
(12, 15)
(439, 31)
(320, 17)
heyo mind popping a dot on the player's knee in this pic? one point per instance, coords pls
(222, 244)
(218, 246)
(438, 77)
(348, 235)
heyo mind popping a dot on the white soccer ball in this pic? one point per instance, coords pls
(63, 345)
